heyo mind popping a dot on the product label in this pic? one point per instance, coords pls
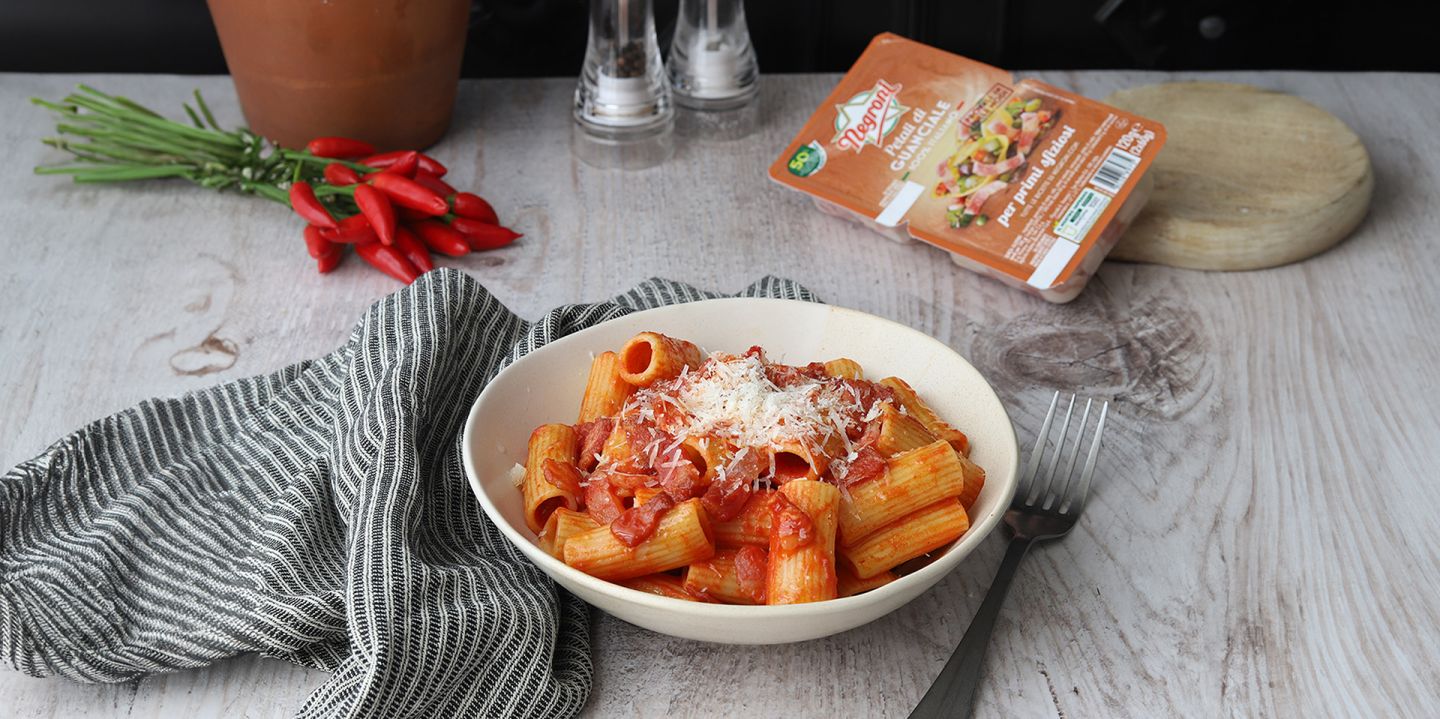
(1020, 176)
(1081, 216)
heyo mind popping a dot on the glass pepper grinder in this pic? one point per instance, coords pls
(713, 70)
(623, 115)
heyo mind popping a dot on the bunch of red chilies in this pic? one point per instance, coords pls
(393, 208)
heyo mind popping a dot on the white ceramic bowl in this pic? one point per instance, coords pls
(545, 386)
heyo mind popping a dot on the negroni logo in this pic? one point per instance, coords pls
(868, 117)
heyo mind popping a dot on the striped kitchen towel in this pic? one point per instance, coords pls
(318, 514)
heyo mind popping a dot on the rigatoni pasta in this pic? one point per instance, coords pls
(665, 585)
(731, 478)
(682, 537)
(900, 432)
(750, 527)
(911, 480)
(797, 460)
(906, 397)
(605, 390)
(974, 481)
(733, 576)
(563, 524)
(650, 357)
(545, 492)
(802, 543)
(848, 585)
(907, 538)
(844, 367)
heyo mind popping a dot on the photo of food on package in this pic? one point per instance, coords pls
(990, 151)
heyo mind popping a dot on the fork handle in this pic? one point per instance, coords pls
(953, 693)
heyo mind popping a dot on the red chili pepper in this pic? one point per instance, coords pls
(442, 238)
(353, 230)
(325, 263)
(429, 180)
(408, 215)
(385, 159)
(403, 191)
(405, 165)
(483, 235)
(316, 243)
(400, 162)
(389, 260)
(432, 165)
(307, 205)
(340, 147)
(340, 175)
(377, 210)
(410, 246)
(475, 207)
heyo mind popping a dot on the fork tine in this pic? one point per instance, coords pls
(1043, 495)
(1078, 499)
(1039, 451)
(1069, 475)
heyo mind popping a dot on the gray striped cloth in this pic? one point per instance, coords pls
(319, 515)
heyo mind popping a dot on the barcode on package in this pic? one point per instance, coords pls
(1115, 170)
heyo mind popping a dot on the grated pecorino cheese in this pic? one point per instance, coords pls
(731, 397)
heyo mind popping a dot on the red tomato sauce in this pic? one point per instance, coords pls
(751, 566)
(789, 524)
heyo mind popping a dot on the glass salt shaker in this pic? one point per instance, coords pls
(623, 113)
(713, 71)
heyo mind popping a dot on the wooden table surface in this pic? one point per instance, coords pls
(1262, 539)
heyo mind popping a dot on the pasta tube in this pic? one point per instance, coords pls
(708, 453)
(900, 432)
(563, 524)
(683, 537)
(548, 441)
(914, 479)
(802, 543)
(665, 585)
(605, 391)
(974, 481)
(650, 357)
(844, 367)
(751, 526)
(795, 460)
(916, 407)
(907, 538)
(719, 577)
(848, 585)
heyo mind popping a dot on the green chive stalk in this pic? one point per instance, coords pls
(115, 139)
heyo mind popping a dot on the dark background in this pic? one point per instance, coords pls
(547, 37)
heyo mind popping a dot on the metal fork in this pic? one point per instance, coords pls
(1036, 514)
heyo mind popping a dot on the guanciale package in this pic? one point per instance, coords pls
(1021, 181)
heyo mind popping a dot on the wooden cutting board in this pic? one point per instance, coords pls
(1248, 178)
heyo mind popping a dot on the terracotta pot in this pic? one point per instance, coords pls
(384, 71)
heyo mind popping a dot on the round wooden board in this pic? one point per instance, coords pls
(1248, 178)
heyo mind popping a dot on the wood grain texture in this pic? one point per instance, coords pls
(1261, 542)
(1249, 178)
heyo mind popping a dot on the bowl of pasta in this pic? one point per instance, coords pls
(746, 470)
